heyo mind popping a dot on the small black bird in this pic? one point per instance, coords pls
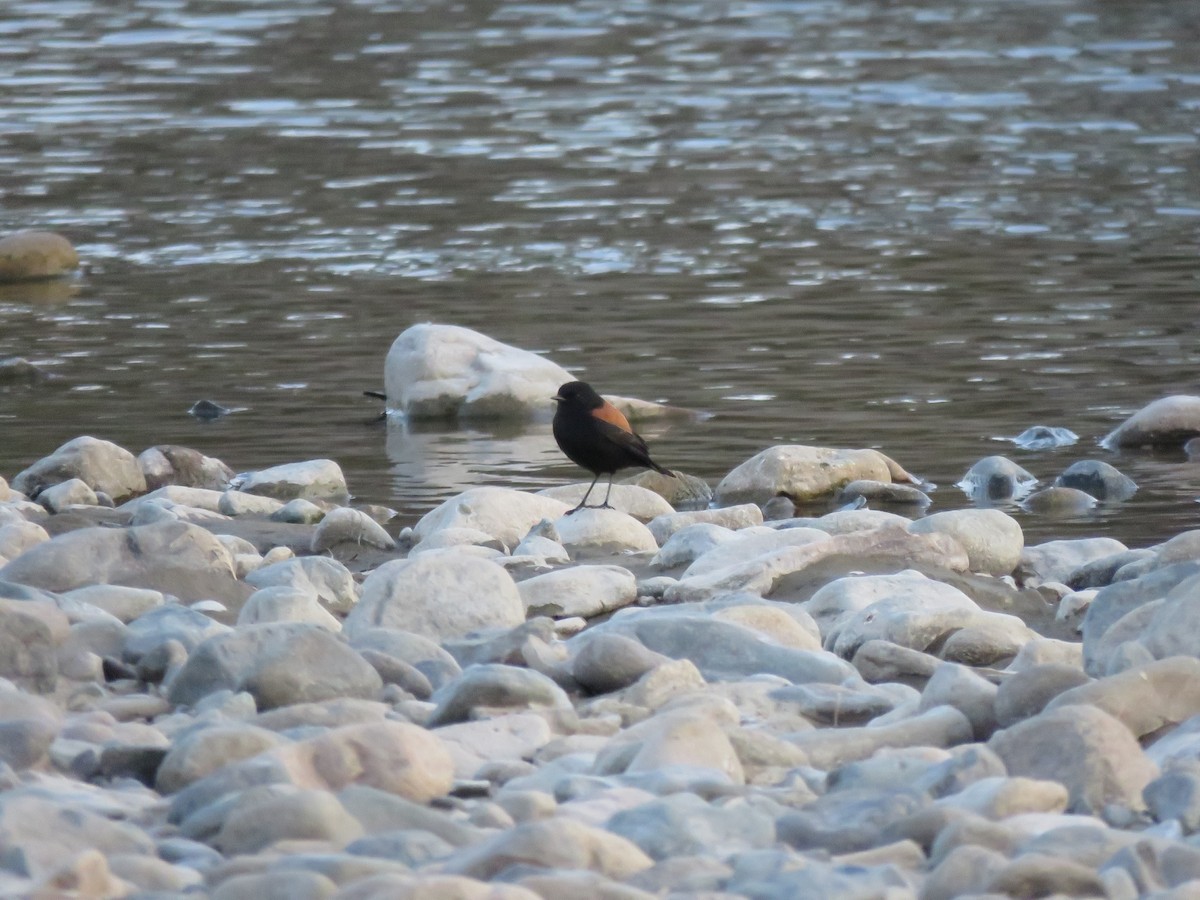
(595, 435)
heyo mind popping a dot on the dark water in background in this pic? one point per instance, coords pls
(910, 226)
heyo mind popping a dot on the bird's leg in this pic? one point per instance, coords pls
(605, 505)
(586, 494)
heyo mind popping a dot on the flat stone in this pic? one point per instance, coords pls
(1027, 692)
(610, 662)
(124, 603)
(200, 753)
(315, 479)
(750, 543)
(689, 543)
(515, 736)
(17, 537)
(173, 557)
(971, 694)
(603, 532)
(169, 622)
(495, 686)
(1084, 748)
(993, 540)
(880, 662)
(764, 575)
(580, 591)
(557, 843)
(286, 604)
(909, 620)
(722, 650)
(73, 492)
(505, 514)
(295, 885)
(942, 726)
(684, 824)
(327, 578)
(1146, 699)
(1034, 875)
(804, 473)
(744, 515)
(438, 596)
(265, 815)
(1058, 560)
(345, 525)
(278, 664)
(30, 632)
(44, 831)
(847, 821)
(630, 499)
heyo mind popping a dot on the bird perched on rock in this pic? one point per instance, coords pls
(595, 434)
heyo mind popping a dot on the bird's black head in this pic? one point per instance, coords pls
(579, 393)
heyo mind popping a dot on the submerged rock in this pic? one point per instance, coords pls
(996, 478)
(1099, 479)
(1059, 501)
(1045, 437)
(441, 596)
(35, 255)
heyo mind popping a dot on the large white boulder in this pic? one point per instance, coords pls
(442, 371)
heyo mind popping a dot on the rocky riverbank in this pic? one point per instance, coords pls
(239, 685)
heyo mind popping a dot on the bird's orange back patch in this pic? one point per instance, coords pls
(613, 416)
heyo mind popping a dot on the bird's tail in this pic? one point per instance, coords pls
(657, 468)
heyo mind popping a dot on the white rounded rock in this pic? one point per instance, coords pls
(72, 492)
(504, 513)
(734, 518)
(286, 604)
(102, 465)
(346, 525)
(690, 543)
(438, 595)
(639, 502)
(993, 539)
(804, 473)
(602, 532)
(580, 591)
(750, 543)
(439, 371)
(314, 479)
(18, 536)
(327, 578)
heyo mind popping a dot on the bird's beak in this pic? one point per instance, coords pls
(556, 398)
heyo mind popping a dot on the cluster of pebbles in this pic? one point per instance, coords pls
(240, 686)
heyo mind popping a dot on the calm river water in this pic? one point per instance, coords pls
(915, 226)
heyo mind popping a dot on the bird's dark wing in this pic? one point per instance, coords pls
(630, 442)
